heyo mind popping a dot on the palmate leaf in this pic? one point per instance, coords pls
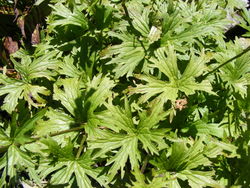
(4, 139)
(67, 91)
(199, 179)
(14, 161)
(68, 166)
(141, 181)
(189, 162)
(192, 24)
(168, 90)
(94, 92)
(38, 65)
(125, 145)
(18, 135)
(30, 67)
(202, 127)
(81, 99)
(67, 17)
(17, 89)
(68, 68)
(131, 52)
(80, 170)
(140, 17)
(57, 121)
(237, 72)
(128, 54)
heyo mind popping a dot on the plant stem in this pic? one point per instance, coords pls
(81, 146)
(144, 164)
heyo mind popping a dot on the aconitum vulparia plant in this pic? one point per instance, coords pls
(129, 93)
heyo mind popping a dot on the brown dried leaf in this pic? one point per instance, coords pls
(20, 23)
(10, 45)
(35, 37)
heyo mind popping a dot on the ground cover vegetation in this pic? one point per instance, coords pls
(110, 93)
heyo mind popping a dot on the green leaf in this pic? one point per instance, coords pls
(103, 16)
(235, 73)
(168, 90)
(198, 179)
(13, 161)
(69, 167)
(70, 92)
(68, 68)
(4, 139)
(98, 90)
(185, 22)
(128, 54)
(126, 144)
(17, 89)
(38, 65)
(19, 136)
(187, 158)
(57, 121)
(140, 18)
(13, 89)
(67, 17)
(208, 128)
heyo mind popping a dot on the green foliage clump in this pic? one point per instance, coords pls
(129, 94)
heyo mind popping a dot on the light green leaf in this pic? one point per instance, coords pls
(154, 34)
(125, 145)
(235, 73)
(13, 89)
(57, 121)
(187, 158)
(100, 88)
(17, 89)
(139, 16)
(68, 68)
(167, 65)
(13, 161)
(199, 179)
(70, 92)
(168, 90)
(128, 54)
(67, 17)
(38, 66)
(4, 139)
(164, 90)
(208, 128)
(153, 140)
(186, 22)
(69, 167)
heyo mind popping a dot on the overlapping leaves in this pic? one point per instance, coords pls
(104, 59)
(123, 135)
(185, 163)
(67, 166)
(29, 69)
(237, 72)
